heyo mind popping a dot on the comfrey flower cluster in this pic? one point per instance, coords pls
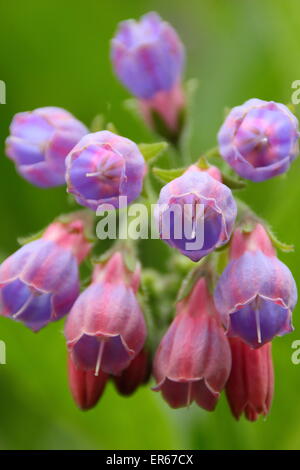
(235, 297)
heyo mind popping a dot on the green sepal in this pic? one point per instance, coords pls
(166, 175)
(111, 128)
(247, 220)
(97, 123)
(189, 282)
(151, 152)
(202, 163)
(30, 238)
(86, 216)
(126, 247)
(131, 105)
(227, 110)
(284, 247)
(130, 260)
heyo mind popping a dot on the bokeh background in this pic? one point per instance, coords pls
(57, 53)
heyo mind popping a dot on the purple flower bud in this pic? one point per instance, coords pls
(102, 167)
(193, 360)
(39, 283)
(39, 143)
(147, 56)
(259, 139)
(105, 329)
(256, 293)
(195, 213)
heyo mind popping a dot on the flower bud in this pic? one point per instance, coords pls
(39, 283)
(70, 235)
(138, 373)
(105, 329)
(250, 385)
(147, 56)
(39, 143)
(102, 167)
(195, 213)
(259, 139)
(193, 360)
(256, 293)
(85, 386)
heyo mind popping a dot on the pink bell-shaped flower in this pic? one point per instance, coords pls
(105, 329)
(256, 293)
(138, 373)
(85, 386)
(193, 360)
(250, 385)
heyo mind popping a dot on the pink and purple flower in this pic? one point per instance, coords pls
(105, 329)
(102, 167)
(193, 360)
(196, 213)
(256, 293)
(259, 139)
(250, 386)
(147, 56)
(39, 143)
(40, 282)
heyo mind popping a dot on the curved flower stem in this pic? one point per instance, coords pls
(213, 152)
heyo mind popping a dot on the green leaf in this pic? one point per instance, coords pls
(153, 151)
(167, 175)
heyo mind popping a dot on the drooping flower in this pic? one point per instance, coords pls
(39, 283)
(259, 139)
(250, 385)
(195, 213)
(39, 142)
(256, 293)
(102, 167)
(138, 373)
(105, 329)
(148, 58)
(85, 386)
(193, 360)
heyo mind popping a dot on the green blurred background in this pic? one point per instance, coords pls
(57, 53)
